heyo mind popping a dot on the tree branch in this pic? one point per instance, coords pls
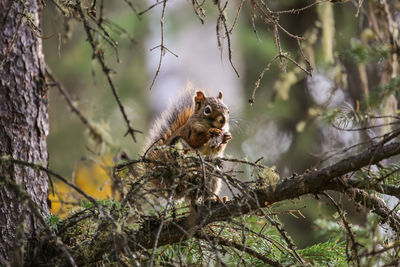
(251, 200)
(318, 181)
(98, 55)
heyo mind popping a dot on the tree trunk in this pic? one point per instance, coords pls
(23, 127)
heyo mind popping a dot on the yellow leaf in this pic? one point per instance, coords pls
(94, 179)
(61, 199)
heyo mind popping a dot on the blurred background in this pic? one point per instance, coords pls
(283, 126)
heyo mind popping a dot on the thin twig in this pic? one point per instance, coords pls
(258, 82)
(229, 243)
(222, 19)
(162, 47)
(354, 246)
(150, 7)
(57, 176)
(73, 107)
(298, 10)
(131, 131)
(237, 16)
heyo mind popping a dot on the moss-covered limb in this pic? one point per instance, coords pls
(90, 235)
(184, 228)
(313, 182)
(373, 203)
(386, 189)
(378, 206)
(99, 241)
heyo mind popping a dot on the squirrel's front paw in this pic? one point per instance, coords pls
(227, 136)
(214, 132)
(215, 137)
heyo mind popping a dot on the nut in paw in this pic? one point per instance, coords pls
(227, 137)
(214, 132)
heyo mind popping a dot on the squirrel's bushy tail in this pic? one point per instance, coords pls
(175, 116)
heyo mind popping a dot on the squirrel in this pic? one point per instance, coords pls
(197, 121)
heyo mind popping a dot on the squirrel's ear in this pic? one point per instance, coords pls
(220, 95)
(199, 96)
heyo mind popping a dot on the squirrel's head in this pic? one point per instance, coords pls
(212, 109)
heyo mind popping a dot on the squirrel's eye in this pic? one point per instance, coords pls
(207, 110)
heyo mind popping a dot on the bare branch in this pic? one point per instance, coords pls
(98, 55)
(162, 47)
(354, 246)
(95, 133)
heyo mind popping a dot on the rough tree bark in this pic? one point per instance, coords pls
(23, 127)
